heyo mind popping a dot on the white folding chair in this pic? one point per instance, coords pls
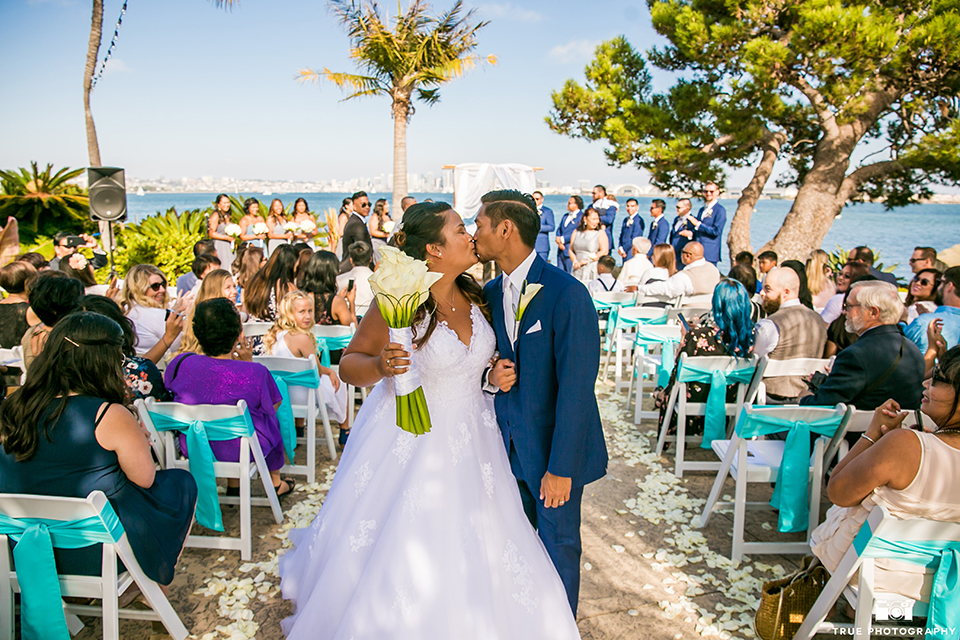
(306, 411)
(647, 356)
(242, 470)
(255, 329)
(678, 400)
(791, 367)
(615, 297)
(621, 340)
(879, 526)
(704, 300)
(13, 357)
(763, 461)
(107, 587)
(670, 302)
(341, 332)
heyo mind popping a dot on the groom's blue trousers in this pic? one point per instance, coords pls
(559, 529)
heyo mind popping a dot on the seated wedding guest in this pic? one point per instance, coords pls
(250, 259)
(141, 374)
(912, 473)
(605, 280)
(664, 262)
(923, 294)
(186, 281)
(292, 337)
(61, 249)
(68, 432)
(268, 285)
(697, 278)
(225, 374)
(14, 279)
(34, 259)
(726, 331)
(850, 272)
(201, 266)
(745, 274)
(77, 266)
(361, 257)
(144, 300)
(881, 364)
(820, 279)
(638, 269)
(865, 255)
(803, 293)
(217, 284)
(744, 257)
(948, 312)
(320, 281)
(839, 336)
(52, 297)
(766, 261)
(790, 330)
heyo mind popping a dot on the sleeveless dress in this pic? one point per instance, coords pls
(224, 248)
(931, 495)
(273, 243)
(585, 244)
(336, 401)
(425, 536)
(157, 520)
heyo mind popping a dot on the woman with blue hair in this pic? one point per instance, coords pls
(726, 331)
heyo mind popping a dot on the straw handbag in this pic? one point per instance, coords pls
(784, 603)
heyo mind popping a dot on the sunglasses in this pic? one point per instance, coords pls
(156, 286)
(939, 377)
(924, 281)
(365, 205)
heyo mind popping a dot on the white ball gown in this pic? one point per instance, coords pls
(425, 537)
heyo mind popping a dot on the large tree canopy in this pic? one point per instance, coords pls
(803, 81)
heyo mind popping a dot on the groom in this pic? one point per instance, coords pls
(549, 417)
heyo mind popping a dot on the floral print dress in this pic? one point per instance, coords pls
(144, 379)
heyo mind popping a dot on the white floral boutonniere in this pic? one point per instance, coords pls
(527, 292)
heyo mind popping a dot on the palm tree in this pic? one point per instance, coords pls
(417, 56)
(43, 202)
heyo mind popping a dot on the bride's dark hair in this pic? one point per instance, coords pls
(422, 225)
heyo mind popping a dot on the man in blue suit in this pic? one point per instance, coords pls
(546, 226)
(606, 208)
(709, 223)
(568, 224)
(546, 405)
(631, 228)
(682, 230)
(659, 228)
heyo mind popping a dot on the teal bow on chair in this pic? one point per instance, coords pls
(308, 378)
(667, 354)
(199, 434)
(791, 494)
(716, 413)
(41, 608)
(616, 321)
(327, 344)
(943, 613)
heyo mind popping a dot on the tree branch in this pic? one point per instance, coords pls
(713, 147)
(867, 172)
(827, 119)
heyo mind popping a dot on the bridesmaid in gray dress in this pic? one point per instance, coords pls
(587, 244)
(219, 220)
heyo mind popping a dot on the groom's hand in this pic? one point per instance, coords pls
(554, 490)
(503, 375)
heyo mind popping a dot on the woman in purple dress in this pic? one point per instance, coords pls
(224, 374)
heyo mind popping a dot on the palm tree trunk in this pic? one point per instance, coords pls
(401, 110)
(93, 49)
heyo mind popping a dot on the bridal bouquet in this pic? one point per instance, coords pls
(291, 226)
(307, 226)
(260, 229)
(401, 284)
(233, 230)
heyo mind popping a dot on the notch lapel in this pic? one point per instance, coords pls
(533, 276)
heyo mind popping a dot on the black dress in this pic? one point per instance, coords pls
(13, 324)
(71, 464)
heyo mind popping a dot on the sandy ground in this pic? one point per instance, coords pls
(623, 594)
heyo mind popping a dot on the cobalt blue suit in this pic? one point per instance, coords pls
(710, 231)
(565, 230)
(630, 229)
(543, 238)
(659, 233)
(549, 419)
(606, 219)
(678, 241)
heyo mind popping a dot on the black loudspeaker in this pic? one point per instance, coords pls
(108, 194)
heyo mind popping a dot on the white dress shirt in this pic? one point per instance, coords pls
(360, 277)
(605, 282)
(677, 284)
(766, 334)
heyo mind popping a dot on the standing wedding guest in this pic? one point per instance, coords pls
(144, 300)
(638, 269)
(632, 227)
(709, 222)
(217, 284)
(850, 272)
(747, 276)
(659, 227)
(249, 261)
(52, 297)
(356, 227)
(606, 207)
(881, 364)
(605, 280)
(547, 225)
(377, 226)
(268, 285)
(320, 281)
(225, 374)
(948, 313)
(251, 217)
(587, 244)
(361, 261)
(682, 230)
(923, 294)
(68, 431)
(62, 249)
(803, 293)
(865, 255)
(277, 236)
(790, 330)
(820, 279)
(926, 258)
(216, 230)
(568, 224)
(699, 277)
(186, 282)
(301, 214)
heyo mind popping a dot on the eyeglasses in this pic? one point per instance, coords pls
(939, 377)
(847, 305)
(843, 275)
(156, 286)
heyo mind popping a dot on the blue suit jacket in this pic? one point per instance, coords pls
(659, 233)
(566, 230)
(551, 413)
(606, 218)
(543, 238)
(710, 232)
(678, 241)
(629, 231)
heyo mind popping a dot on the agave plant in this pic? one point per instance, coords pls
(44, 202)
(165, 240)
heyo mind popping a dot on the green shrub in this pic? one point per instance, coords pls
(165, 240)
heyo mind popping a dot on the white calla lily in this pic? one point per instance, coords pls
(527, 293)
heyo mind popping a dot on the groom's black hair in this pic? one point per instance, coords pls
(518, 208)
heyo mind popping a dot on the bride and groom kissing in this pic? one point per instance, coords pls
(430, 536)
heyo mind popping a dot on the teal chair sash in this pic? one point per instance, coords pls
(714, 427)
(791, 493)
(616, 321)
(943, 616)
(288, 429)
(328, 344)
(41, 602)
(199, 434)
(667, 354)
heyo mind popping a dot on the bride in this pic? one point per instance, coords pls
(425, 536)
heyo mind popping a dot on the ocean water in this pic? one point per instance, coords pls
(892, 234)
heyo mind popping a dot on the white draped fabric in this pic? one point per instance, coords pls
(472, 180)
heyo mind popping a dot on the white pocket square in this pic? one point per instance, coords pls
(536, 327)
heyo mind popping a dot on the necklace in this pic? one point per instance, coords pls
(950, 430)
(452, 308)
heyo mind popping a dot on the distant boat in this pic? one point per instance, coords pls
(140, 191)
(268, 193)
